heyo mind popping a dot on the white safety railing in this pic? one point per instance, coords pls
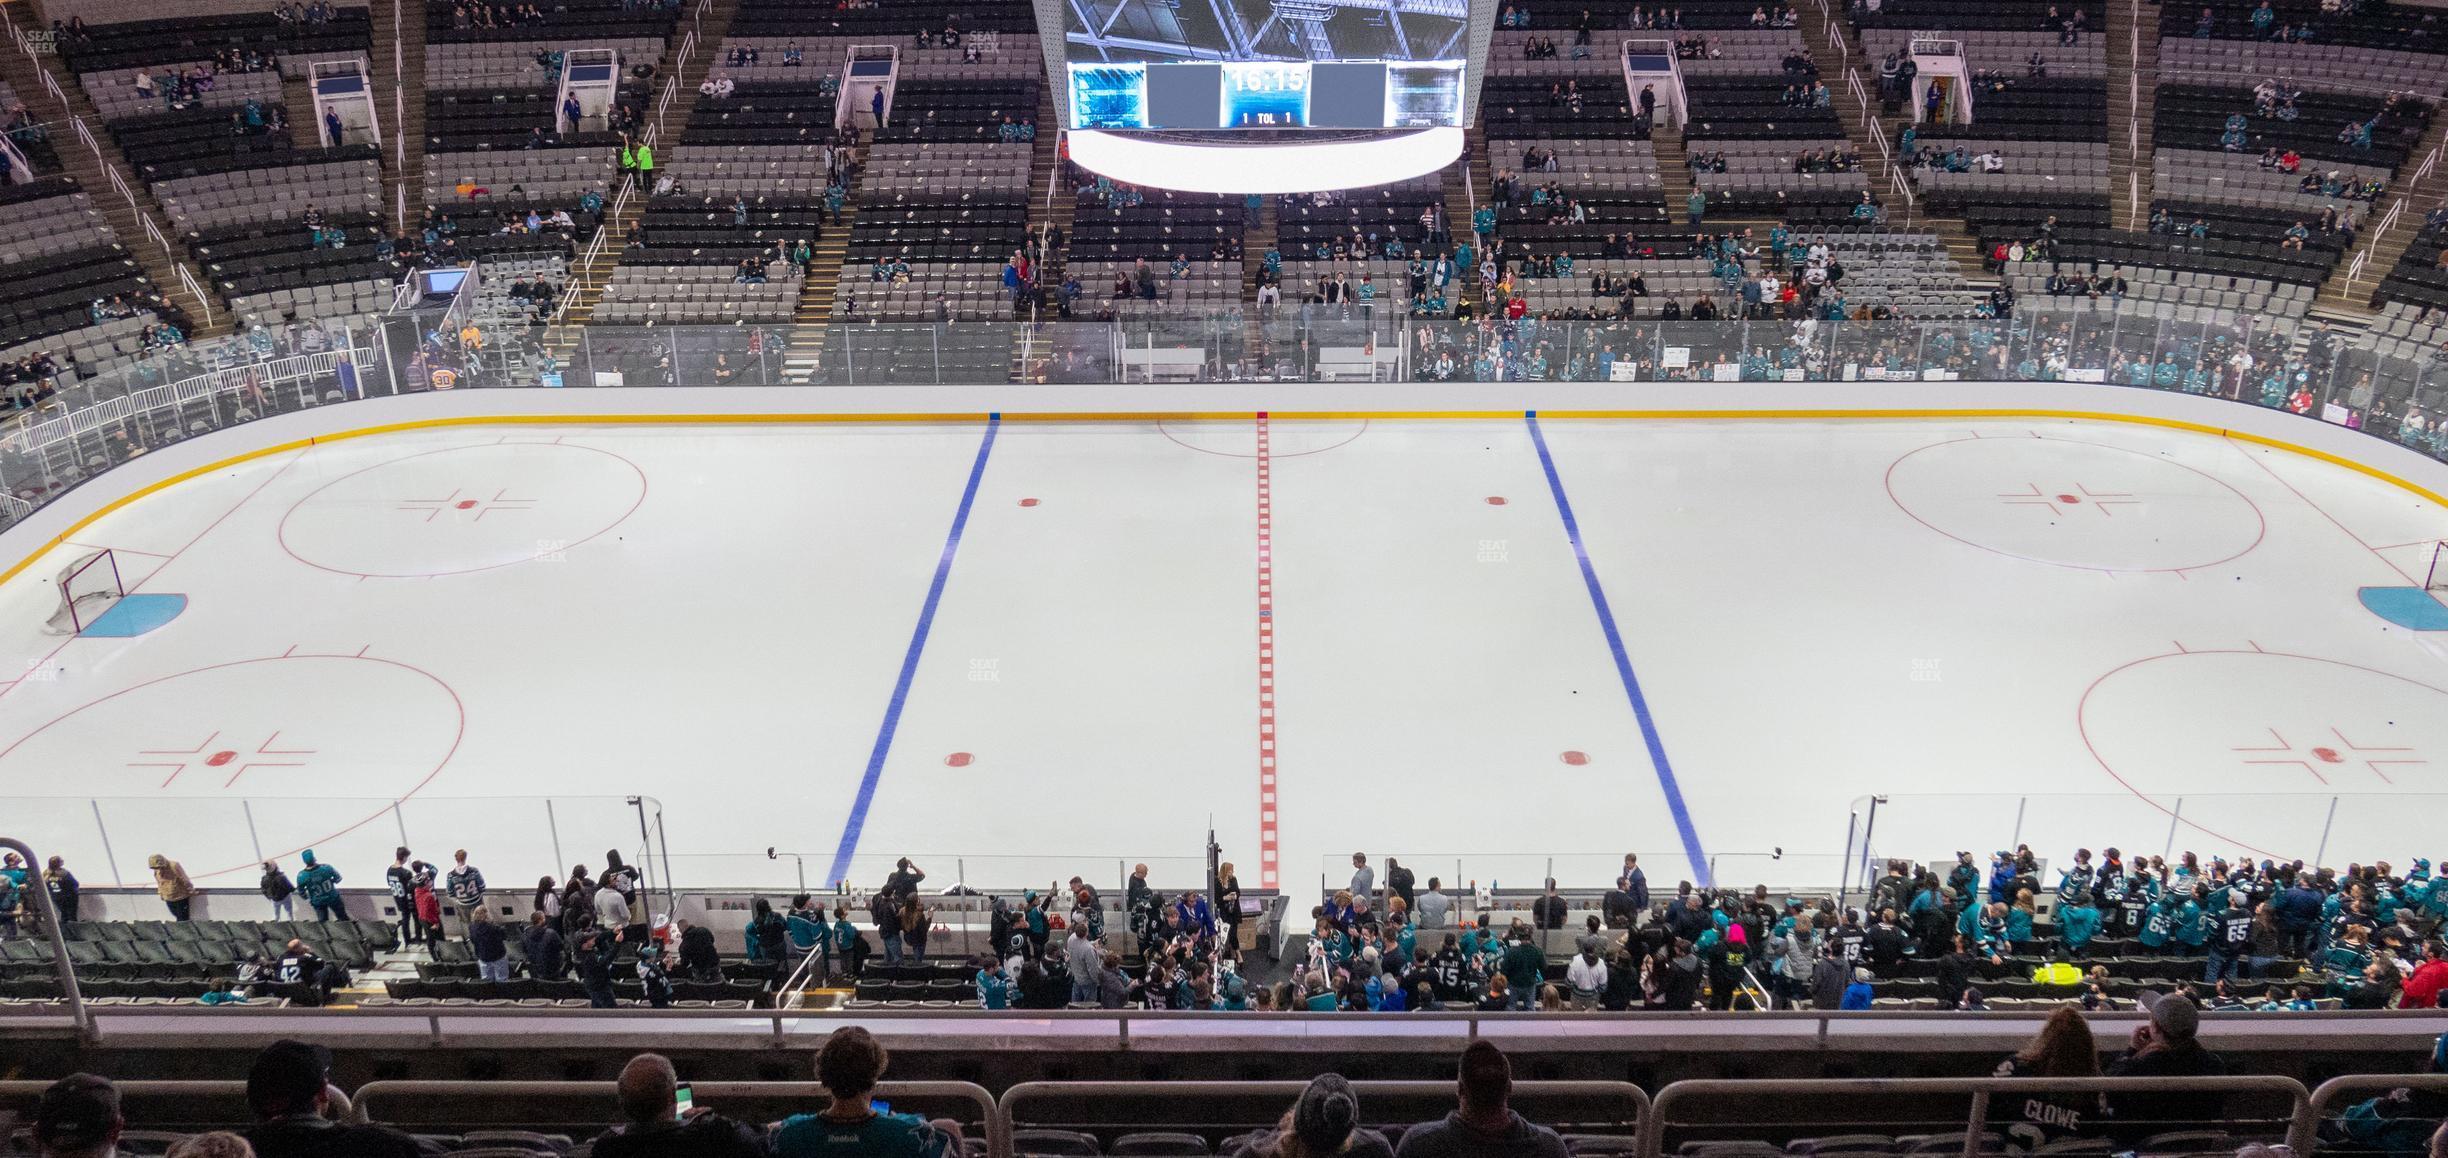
(1861, 92)
(249, 379)
(2133, 193)
(195, 289)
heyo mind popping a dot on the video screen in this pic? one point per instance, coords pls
(1106, 31)
(1341, 94)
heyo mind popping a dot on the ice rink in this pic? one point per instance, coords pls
(1476, 645)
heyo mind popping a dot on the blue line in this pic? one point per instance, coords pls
(909, 662)
(1623, 662)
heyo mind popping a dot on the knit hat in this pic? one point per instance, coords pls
(1325, 1115)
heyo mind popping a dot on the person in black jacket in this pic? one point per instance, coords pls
(289, 1089)
(1954, 975)
(490, 943)
(594, 962)
(2165, 1047)
(541, 944)
(1549, 911)
(1402, 883)
(700, 960)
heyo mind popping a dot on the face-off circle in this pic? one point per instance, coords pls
(2248, 746)
(463, 509)
(2075, 504)
(312, 743)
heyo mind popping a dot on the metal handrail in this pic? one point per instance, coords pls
(2304, 1134)
(1632, 1105)
(1784, 1090)
(787, 995)
(373, 1094)
(187, 278)
(58, 938)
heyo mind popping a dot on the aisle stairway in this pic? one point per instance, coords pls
(1824, 34)
(2383, 249)
(2133, 83)
(803, 357)
(1050, 203)
(663, 131)
(399, 104)
(209, 312)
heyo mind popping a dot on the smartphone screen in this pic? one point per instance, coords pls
(880, 1105)
(685, 1098)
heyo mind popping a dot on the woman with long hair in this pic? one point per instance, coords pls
(2064, 1048)
(1228, 909)
(548, 899)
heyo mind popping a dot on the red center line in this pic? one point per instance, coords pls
(1269, 860)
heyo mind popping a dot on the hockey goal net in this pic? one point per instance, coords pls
(2436, 577)
(88, 586)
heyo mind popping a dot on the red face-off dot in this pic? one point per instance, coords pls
(2328, 755)
(958, 760)
(1028, 502)
(467, 504)
(1576, 758)
(2069, 499)
(1496, 500)
(218, 759)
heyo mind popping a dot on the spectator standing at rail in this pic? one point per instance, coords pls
(278, 889)
(1485, 1125)
(402, 882)
(850, 1064)
(1401, 882)
(1435, 907)
(319, 884)
(171, 884)
(541, 945)
(65, 892)
(490, 944)
(1363, 881)
(466, 885)
(594, 962)
(1549, 910)
(654, 1127)
(12, 894)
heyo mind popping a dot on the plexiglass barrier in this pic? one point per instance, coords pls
(223, 842)
(2277, 363)
(1931, 828)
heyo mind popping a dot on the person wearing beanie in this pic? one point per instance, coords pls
(1485, 1125)
(1325, 1121)
(78, 1117)
(2165, 1046)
